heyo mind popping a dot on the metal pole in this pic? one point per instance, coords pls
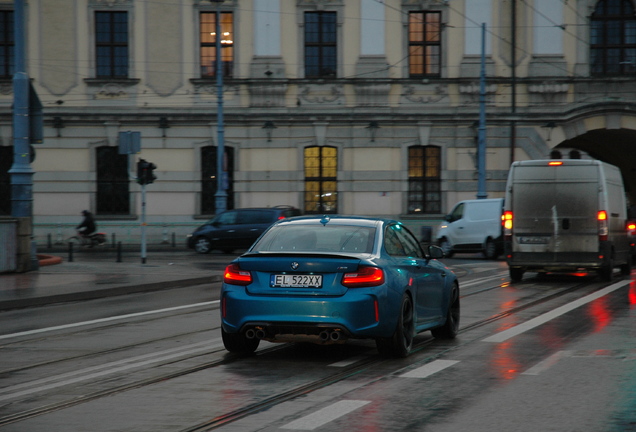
(481, 136)
(143, 224)
(21, 172)
(513, 127)
(220, 196)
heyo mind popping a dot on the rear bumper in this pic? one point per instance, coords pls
(558, 261)
(352, 314)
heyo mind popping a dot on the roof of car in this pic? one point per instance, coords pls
(339, 219)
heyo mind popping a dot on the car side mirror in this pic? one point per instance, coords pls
(448, 218)
(216, 224)
(435, 252)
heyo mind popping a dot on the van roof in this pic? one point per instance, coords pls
(569, 162)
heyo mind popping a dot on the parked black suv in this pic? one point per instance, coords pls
(236, 229)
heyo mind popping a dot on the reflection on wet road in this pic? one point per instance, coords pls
(548, 353)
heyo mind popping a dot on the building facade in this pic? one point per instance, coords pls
(333, 106)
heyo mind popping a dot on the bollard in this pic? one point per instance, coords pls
(49, 241)
(118, 251)
(113, 240)
(174, 240)
(70, 251)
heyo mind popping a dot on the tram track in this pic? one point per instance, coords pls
(278, 398)
(274, 400)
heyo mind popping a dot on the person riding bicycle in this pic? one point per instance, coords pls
(87, 227)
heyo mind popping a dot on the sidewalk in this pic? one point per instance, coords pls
(96, 273)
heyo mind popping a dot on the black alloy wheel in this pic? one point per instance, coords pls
(516, 274)
(238, 343)
(447, 247)
(400, 344)
(490, 250)
(451, 327)
(202, 245)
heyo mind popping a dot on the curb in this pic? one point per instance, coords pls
(106, 292)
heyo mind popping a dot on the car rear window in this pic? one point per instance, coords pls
(317, 238)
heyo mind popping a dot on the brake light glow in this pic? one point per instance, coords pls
(366, 276)
(507, 222)
(555, 163)
(603, 229)
(631, 226)
(235, 276)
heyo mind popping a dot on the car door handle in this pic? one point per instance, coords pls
(231, 230)
(254, 229)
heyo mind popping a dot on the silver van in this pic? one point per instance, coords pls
(565, 215)
(473, 226)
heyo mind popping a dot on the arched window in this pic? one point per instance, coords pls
(613, 38)
(424, 179)
(209, 178)
(321, 182)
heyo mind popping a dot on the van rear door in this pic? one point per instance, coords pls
(555, 211)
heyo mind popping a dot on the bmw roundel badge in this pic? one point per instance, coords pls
(294, 265)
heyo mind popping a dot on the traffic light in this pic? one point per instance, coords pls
(145, 173)
(150, 175)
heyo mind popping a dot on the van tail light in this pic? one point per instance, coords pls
(235, 276)
(603, 228)
(506, 221)
(366, 276)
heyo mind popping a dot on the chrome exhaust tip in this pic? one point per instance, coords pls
(250, 333)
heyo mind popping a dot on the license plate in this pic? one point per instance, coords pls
(295, 281)
(533, 240)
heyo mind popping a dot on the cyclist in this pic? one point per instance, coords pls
(87, 227)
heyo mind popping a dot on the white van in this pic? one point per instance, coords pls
(473, 226)
(565, 215)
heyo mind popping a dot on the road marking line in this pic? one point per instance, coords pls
(429, 369)
(103, 320)
(347, 362)
(325, 415)
(546, 364)
(497, 277)
(112, 367)
(548, 316)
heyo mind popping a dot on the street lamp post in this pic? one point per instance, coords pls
(220, 198)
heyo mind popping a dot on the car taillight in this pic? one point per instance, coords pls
(366, 276)
(603, 229)
(631, 226)
(506, 221)
(235, 276)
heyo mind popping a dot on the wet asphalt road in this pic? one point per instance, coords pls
(547, 354)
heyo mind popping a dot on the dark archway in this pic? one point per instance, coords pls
(614, 146)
